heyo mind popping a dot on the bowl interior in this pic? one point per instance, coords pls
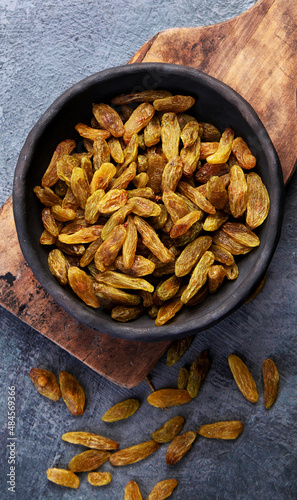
(215, 103)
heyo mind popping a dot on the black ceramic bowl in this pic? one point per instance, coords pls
(215, 103)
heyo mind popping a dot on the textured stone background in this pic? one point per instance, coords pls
(46, 47)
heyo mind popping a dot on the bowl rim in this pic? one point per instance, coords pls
(130, 330)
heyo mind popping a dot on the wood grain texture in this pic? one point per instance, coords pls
(255, 54)
(124, 362)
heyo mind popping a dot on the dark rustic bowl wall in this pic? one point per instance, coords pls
(215, 103)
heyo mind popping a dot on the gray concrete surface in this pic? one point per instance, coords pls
(45, 47)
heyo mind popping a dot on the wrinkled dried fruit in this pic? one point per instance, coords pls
(69, 200)
(50, 177)
(243, 154)
(102, 176)
(80, 186)
(63, 214)
(45, 383)
(174, 104)
(197, 374)
(84, 235)
(47, 196)
(163, 489)
(115, 296)
(138, 120)
(123, 281)
(168, 397)
(116, 219)
(270, 379)
(108, 251)
(182, 225)
(152, 240)
(90, 440)
(224, 150)
(216, 192)
(166, 289)
(169, 430)
(57, 264)
(155, 166)
(73, 250)
(152, 132)
(198, 276)
(132, 491)
(125, 313)
(210, 132)
(207, 171)
(177, 349)
(147, 298)
(63, 477)
(113, 200)
(175, 205)
(86, 165)
(140, 267)
(164, 269)
(221, 430)
(191, 254)
(91, 133)
(50, 224)
(190, 156)
(258, 202)
(108, 119)
(168, 310)
(134, 453)
(72, 393)
(216, 275)
(230, 244)
(258, 290)
(196, 197)
(183, 376)
(153, 311)
(141, 180)
(184, 118)
(237, 191)
(92, 211)
(189, 133)
(130, 244)
(82, 285)
(98, 221)
(170, 135)
(213, 221)
(60, 189)
(243, 378)
(88, 460)
(222, 255)
(172, 173)
(121, 410)
(144, 96)
(241, 233)
(99, 478)
(125, 178)
(145, 208)
(179, 447)
(130, 154)
(116, 151)
(231, 271)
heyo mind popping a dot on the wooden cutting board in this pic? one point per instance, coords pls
(254, 53)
